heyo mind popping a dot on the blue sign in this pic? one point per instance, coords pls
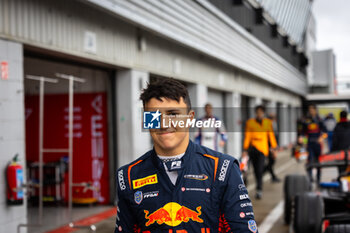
(151, 120)
(19, 176)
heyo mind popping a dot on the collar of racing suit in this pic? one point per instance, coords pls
(159, 163)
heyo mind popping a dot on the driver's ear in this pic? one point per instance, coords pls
(191, 114)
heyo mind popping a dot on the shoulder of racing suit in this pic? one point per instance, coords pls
(222, 162)
(219, 163)
(124, 172)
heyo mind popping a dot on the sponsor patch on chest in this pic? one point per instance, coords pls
(196, 177)
(152, 179)
(151, 194)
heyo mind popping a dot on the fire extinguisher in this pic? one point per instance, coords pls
(14, 178)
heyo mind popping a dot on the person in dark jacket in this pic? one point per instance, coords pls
(341, 133)
(180, 186)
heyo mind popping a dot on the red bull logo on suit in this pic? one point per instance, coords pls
(173, 214)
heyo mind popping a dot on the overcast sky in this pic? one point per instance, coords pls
(333, 30)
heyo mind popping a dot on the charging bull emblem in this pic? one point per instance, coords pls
(173, 214)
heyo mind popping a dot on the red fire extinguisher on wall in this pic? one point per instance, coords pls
(14, 178)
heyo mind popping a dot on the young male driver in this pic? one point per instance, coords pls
(180, 186)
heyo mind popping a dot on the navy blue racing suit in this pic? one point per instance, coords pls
(208, 196)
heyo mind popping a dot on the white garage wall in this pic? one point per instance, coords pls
(12, 131)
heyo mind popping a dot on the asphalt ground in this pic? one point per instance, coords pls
(328, 174)
(269, 210)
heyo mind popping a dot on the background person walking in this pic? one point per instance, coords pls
(329, 123)
(258, 135)
(341, 136)
(213, 139)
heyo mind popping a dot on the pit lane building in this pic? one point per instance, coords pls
(232, 53)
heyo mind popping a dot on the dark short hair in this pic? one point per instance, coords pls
(343, 114)
(165, 88)
(208, 105)
(262, 107)
(312, 106)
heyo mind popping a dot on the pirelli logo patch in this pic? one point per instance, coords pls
(152, 179)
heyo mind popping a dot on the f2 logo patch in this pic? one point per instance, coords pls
(176, 165)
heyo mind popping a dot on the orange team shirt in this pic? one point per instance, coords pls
(259, 135)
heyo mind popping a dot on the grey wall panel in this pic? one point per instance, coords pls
(60, 26)
(324, 70)
(247, 55)
(291, 15)
(12, 131)
(216, 99)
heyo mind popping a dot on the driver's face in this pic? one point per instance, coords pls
(168, 137)
(312, 111)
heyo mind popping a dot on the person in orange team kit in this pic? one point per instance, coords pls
(259, 136)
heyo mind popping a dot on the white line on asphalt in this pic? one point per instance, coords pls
(278, 171)
(270, 220)
(276, 213)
